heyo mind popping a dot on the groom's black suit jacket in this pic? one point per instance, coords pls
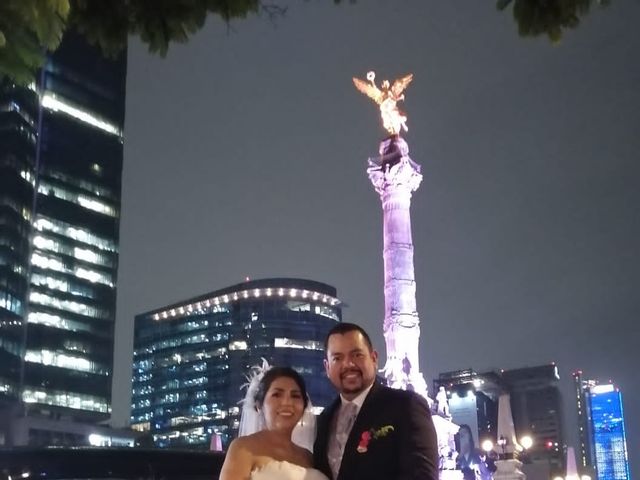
(408, 451)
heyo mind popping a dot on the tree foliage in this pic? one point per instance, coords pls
(548, 17)
(31, 28)
(158, 23)
(27, 29)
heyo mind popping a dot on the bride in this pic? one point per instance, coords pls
(275, 403)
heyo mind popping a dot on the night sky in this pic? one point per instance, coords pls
(245, 155)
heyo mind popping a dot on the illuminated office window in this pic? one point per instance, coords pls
(56, 103)
(84, 200)
(66, 399)
(67, 305)
(44, 224)
(64, 360)
(298, 344)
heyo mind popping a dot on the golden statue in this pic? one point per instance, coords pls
(393, 120)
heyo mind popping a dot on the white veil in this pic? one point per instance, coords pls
(252, 421)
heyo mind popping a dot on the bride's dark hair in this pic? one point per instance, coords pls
(277, 372)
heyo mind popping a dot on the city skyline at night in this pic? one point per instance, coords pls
(245, 155)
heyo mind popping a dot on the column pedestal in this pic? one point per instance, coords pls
(508, 470)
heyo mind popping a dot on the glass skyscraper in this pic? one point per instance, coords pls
(608, 439)
(536, 408)
(582, 388)
(61, 150)
(191, 358)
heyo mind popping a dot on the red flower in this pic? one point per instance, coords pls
(365, 438)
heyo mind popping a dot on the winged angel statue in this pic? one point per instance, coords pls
(393, 120)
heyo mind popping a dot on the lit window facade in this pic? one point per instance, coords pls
(608, 438)
(61, 151)
(191, 358)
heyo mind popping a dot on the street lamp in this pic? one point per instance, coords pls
(487, 445)
(526, 442)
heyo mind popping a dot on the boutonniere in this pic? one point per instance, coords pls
(372, 434)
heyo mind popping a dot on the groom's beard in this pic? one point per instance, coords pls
(351, 381)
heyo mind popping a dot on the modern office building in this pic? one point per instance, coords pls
(61, 151)
(582, 387)
(191, 358)
(536, 409)
(473, 401)
(601, 428)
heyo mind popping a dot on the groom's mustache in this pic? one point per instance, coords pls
(351, 370)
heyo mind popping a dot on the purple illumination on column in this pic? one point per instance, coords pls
(395, 177)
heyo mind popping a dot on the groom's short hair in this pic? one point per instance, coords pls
(345, 327)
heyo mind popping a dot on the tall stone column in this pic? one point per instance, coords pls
(395, 177)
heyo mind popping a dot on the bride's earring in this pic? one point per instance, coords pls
(261, 419)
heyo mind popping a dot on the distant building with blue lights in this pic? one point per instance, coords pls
(191, 358)
(607, 434)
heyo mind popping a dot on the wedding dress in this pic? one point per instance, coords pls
(282, 470)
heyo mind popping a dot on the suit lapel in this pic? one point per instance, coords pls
(324, 434)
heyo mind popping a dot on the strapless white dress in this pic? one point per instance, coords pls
(281, 470)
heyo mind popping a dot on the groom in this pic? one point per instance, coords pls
(371, 432)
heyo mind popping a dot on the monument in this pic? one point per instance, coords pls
(395, 177)
(507, 446)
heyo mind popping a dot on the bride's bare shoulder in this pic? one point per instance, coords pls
(254, 445)
(239, 461)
